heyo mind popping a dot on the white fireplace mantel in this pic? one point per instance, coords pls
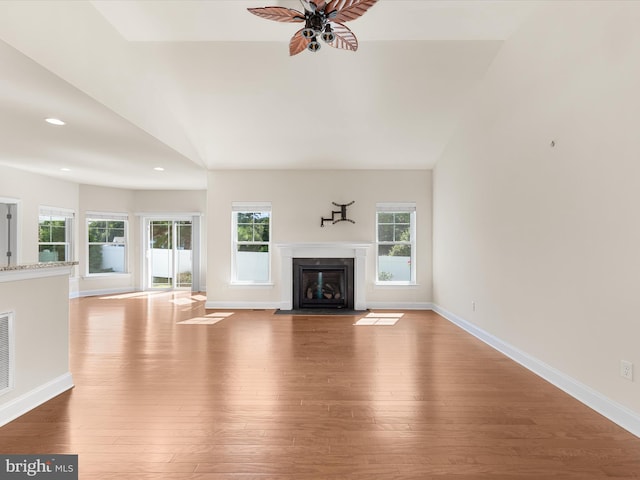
(357, 251)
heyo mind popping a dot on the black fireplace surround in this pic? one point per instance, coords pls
(323, 283)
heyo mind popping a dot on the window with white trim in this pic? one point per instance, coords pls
(251, 237)
(55, 235)
(396, 243)
(106, 243)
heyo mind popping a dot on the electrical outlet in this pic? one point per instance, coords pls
(626, 370)
(473, 306)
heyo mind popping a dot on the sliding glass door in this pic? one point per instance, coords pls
(170, 254)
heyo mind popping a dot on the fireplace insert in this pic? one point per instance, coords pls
(323, 283)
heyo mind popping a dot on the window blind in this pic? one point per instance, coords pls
(45, 211)
(251, 206)
(106, 216)
(396, 207)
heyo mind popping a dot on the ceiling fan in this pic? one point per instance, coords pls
(322, 19)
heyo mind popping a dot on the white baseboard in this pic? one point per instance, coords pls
(116, 291)
(242, 305)
(276, 305)
(36, 397)
(399, 306)
(619, 414)
(108, 291)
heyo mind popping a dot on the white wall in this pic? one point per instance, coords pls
(170, 201)
(299, 200)
(546, 240)
(40, 307)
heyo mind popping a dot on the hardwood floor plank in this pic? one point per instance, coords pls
(259, 396)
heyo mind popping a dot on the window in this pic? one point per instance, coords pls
(55, 235)
(107, 243)
(396, 247)
(251, 243)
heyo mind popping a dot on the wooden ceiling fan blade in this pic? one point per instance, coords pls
(344, 38)
(349, 9)
(298, 43)
(278, 14)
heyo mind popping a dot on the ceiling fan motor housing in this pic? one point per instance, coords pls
(315, 23)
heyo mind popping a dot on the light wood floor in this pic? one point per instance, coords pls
(261, 396)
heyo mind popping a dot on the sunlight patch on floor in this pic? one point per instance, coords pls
(382, 319)
(201, 321)
(209, 319)
(182, 301)
(130, 295)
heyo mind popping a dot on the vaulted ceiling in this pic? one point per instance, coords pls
(194, 85)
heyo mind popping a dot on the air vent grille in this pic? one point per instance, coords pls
(5, 352)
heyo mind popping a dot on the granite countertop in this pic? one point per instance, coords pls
(36, 266)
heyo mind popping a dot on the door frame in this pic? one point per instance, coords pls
(16, 232)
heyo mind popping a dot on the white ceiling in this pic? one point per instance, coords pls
(195, 85)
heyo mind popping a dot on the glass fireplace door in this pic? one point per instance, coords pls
(323, 287)
(323, 283)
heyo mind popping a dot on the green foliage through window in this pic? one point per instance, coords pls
(53, 231)
(253, 227)
(54, 238)
(107, 246)
(104, 231)
(394, 230)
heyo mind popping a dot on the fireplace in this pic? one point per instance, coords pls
(323, 283)
(313, 252)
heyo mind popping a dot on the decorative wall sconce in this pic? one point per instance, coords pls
(342, 212)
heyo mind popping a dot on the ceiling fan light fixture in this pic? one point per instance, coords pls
(314, 45)
(328, 35)
(308, 33)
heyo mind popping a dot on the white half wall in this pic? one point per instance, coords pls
(38, 301)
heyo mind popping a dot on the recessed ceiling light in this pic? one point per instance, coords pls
(65, 169)
(159, 169)
(54, 121)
